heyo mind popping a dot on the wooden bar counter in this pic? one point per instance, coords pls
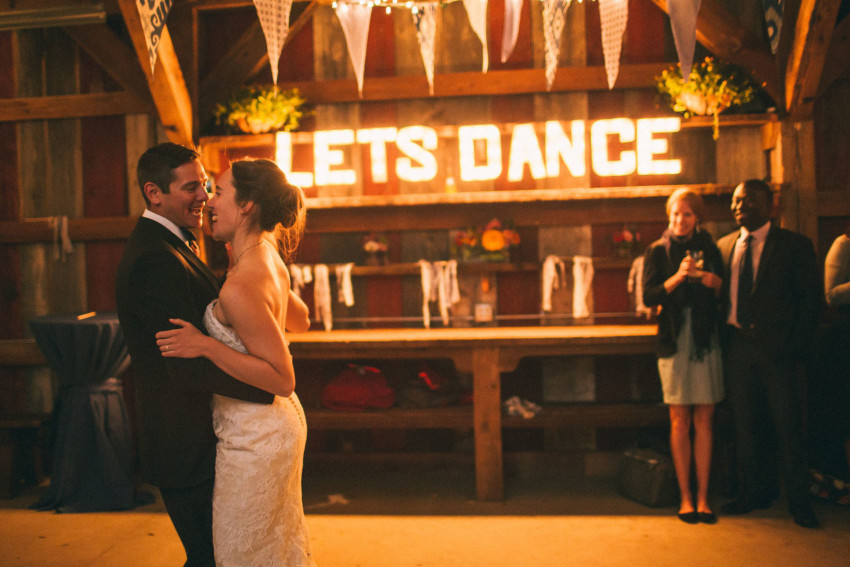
(485, 352)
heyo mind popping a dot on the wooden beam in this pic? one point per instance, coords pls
(166, 83)
(474, 83)
(72, 106)
(244, 60)
(31, 231)
(722, 34)
(115, 56)
(837, 60)
(812, 34)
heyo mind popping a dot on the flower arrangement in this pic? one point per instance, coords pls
(711, 88)
(257, 109)
(375, 245)
(626, 241)
(492, 243)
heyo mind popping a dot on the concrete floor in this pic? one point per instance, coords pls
(428, 518)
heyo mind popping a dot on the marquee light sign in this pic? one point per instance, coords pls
(642, 150)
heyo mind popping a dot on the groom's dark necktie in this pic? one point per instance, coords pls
(745, 284)
(191, 241)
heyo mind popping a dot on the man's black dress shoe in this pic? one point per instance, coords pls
(689, 517)
(707, 517)
(741, 506)
(805, 517)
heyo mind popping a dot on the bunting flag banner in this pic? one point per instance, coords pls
(477, 12)
(425, 20)
(274, 19)
(613, 16)
(683, 20)
(513, 10)
(355, 25)
(554, 18)
(153, 14)
(773, 20)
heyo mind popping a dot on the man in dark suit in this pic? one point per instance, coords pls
(160, 277)
(771, 300)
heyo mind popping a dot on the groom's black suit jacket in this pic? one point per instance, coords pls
(160, 278)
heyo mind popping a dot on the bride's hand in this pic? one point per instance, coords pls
(185, 342)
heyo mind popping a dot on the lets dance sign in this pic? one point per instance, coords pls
(616, 147)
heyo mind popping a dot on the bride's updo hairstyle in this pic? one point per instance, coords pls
(279, 205)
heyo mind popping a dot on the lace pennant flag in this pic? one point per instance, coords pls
(613, 15)
(513, 9)
(425, 20)
(554, 17)
(683, 20)
(355, 25)
(153, 14)
(274, 19)
(477, 12)
(773, 19)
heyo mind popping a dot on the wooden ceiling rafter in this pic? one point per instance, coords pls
(837, 60)
(721, 33)
(166, 83)
(243, 61)
(812, 34)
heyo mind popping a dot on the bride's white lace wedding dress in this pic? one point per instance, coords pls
(258, 517)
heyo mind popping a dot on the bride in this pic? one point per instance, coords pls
(258, 517)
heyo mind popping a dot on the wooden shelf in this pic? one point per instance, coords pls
(461, 417)
(412, 268)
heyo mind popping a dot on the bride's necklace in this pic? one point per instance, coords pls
(236, 260)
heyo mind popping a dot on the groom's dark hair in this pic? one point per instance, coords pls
(158, 163)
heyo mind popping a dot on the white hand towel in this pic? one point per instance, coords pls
(549, 279)
(426, 274)
(297, 277)
(582, 281)
(322, 296)
(635, 286)
(345, 294)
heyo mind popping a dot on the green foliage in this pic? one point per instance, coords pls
(256, 109)
(712, 87)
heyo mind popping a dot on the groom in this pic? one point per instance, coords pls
(161, 277)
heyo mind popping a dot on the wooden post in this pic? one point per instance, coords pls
(487, 395)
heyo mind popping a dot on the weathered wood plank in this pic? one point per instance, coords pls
(71, 106)
(812, 34)
(837, 60)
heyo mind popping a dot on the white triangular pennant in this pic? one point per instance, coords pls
(554, 17)
(274, 19)
(513, 10)
(683, 20)
(425, 21)
(153, 15)
(613, 16)
(477, 12)
(355, 25)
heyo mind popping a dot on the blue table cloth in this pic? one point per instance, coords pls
(92, 454)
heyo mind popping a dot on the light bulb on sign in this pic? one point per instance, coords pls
(283, 158)
(377, 138)
(406, 142)
(648, 146)
(599, 132)
(324, 157)
(488, 135)
(559, 146)
(525, 149)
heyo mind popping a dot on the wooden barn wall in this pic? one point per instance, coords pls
(832, 153)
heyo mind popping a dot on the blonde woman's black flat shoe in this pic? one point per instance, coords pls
(689, 517)
(707, 517)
